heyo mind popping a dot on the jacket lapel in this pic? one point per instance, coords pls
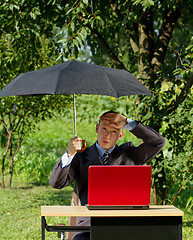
(92, 156)
(113, 158)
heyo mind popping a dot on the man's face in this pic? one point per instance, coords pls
(107, 135)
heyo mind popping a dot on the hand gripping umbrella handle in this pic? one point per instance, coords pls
(83, 147)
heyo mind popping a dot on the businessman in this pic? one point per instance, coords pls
(73, 166)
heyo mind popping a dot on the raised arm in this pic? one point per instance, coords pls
(152, 144)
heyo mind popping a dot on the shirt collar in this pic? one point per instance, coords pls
(101, 150)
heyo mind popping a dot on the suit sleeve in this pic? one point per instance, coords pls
(152, 144)
(62, 177)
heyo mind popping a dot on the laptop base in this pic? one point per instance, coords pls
(117, 207)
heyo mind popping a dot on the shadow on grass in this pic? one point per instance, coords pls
(26, 187)
(60, 197)
(38, 183)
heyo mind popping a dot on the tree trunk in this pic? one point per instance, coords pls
(12, 155)
(3, 159)
(2, 172)
(11, 165)
(10, 172)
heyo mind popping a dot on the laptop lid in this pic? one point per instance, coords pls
(119, 185)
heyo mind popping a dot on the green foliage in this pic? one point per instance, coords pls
(152, 39)
(42, 149)
(186, 67)
(189, 204)
(89, 108)
(145, 4)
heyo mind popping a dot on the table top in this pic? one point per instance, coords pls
(72, 211)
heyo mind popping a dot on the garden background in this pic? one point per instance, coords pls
(151, 39)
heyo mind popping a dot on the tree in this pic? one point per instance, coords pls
(24, 46)
(148, 38)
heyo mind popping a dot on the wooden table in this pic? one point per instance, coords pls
(157, 222)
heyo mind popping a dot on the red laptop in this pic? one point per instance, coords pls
(119, 187)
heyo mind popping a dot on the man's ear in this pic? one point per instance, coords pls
(120, 136)
(97, 127)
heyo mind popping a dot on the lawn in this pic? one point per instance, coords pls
(20, 211)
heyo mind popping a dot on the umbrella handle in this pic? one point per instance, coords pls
(83, 147)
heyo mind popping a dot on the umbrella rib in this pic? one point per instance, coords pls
(57, 82)
(10, 86)
(115, 93)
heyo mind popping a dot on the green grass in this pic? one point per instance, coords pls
(187, 227)
(20, 211)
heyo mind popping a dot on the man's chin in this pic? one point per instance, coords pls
(106, 145)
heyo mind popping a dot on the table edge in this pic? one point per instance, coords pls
(74, 211)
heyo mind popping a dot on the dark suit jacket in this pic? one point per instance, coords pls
(125, 154)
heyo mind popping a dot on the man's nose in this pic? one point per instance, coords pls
(108, 134)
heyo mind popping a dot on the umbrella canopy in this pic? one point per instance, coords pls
(74, 77)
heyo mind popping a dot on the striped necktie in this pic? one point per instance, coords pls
(105, 157)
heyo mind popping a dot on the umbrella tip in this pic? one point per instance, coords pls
(14, 108)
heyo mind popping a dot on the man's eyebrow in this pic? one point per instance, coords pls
(106, 125)
(116, 128)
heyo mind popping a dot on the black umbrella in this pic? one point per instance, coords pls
(74, 77)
